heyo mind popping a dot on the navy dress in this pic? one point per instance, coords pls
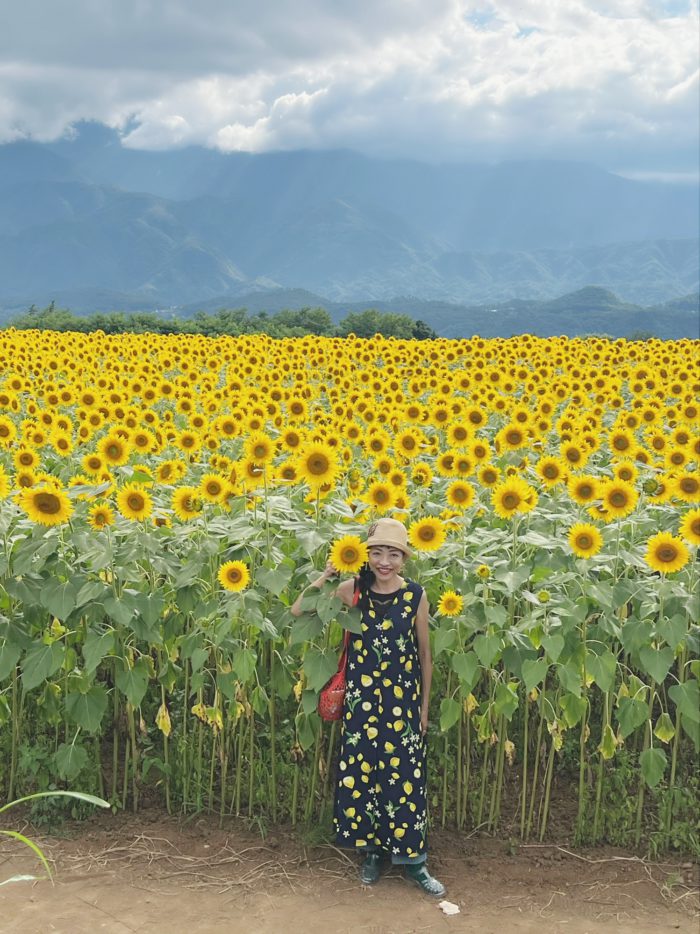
(380, 794)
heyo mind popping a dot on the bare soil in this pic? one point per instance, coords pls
(150, 874)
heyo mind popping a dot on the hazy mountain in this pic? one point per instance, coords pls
(87, 217)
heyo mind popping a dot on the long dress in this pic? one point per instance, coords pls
(380, 794)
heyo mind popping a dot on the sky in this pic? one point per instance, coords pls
(614, 82)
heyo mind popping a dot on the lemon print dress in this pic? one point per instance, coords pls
(380, 795)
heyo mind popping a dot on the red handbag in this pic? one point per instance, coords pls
(332, 696)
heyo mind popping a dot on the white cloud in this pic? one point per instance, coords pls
(610, 80)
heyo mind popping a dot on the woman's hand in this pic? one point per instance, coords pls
(423, 721)
(328, 572)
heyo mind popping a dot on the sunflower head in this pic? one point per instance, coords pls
(690, 526)
(348, 554)
(234, 576)
(427, 534)
(666, 553)
(46, 504)
(585, 540)
(450, 604)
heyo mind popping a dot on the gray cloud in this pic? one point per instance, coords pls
(615, 81)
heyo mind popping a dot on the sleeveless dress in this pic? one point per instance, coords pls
(380, 793)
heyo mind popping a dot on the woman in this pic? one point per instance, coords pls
(380, 801)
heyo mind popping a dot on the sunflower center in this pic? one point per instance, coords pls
(233, 575)
(47, 503)
(113, 451)
(667, 553)
(621, 443)
(408, 443)
(573, 455)
(26, 460)
(135, 501)
(618, 499)
(318, 464)
(511, 500)
(349, 554)
(426, 533)
(551, 471)
(584, 540)
(689, 485)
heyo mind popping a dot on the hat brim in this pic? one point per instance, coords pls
(379, 542)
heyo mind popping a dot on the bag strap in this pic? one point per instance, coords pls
(342, 661)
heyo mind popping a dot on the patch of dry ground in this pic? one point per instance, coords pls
(149, 875)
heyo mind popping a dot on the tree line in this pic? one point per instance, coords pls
(231, 321)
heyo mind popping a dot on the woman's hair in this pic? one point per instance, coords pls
(363, 582)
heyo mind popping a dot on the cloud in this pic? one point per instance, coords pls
(614, 81)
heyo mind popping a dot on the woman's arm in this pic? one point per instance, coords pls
(344, 590)
(426, 660)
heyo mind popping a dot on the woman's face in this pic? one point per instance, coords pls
(385, 562)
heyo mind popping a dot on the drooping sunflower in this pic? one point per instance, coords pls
(134, 502)
(666, 553)
(234, 576)
(585, 540)
(460, 494)
(513, 496)
(426, 534)
(348, 554)
(46, 504)
(690, 526)
(100, 516)
(187, 502)
(317, 464)
(618, 498)
(451, 604)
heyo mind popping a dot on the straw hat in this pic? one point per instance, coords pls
(389, 532)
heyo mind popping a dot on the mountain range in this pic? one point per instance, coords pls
(88, 219)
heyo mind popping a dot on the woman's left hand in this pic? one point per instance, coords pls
(423, 722)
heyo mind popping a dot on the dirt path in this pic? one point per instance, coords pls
(159, 876)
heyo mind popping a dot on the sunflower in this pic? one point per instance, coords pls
(422, 475)
(450, 604)
(348, 554)
(134, 502)
(187, 502)
(686, 487)
(188, 441)
(234, 576)
(25, 478)
(459, 434)
(408, 442)
(426, 534)
(93, 464)
(259, 447)
(489, 475)
(8, 432)
(574, 454)
(550, 470)
(666, 553)
(291, 439)
(626, 470)
(4, 483)
(100, 516)
(483, 572)
(690, 526)
(621, 441)
(25, 458)
(381, 495)
(585, 540)
(318, 464)
(460, 494)
(618, 498)
(583, 489)
(46, 504)
(512, 496)
(114, 450)
(511, 437)
(212, 487)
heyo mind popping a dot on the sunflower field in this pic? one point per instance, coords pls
(163, 500)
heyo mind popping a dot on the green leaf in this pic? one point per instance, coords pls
(41, 662)
(87, 710)
(570, 678)
(573, 708)
(198, 658)
(656, 662)
(693, 730)
(601, 593)
(506, 700)
(534, 672)
(602, 669)
(318, 667)
(306, 725)
(243, 663)
(309, 701)
(118, 610)
(608, 745)
(449, 713)
(59, 598)
(631, 713)
(328, 606)
(674, 630)
(149, 607)
(95, 648)
(133, 682)
(635, 634)
(274, 580)
(443, 639)
(686, 697)
(92, 592)
(70, 760)
(9, 656)
(653, 763)
(664, 729)
(78, 795)
(305, 629)
(554, 645)
(513, 580)
(466, 666)
(487, 648)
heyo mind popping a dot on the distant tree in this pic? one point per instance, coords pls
(640, 336)
(371, 322)
(422, 331)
